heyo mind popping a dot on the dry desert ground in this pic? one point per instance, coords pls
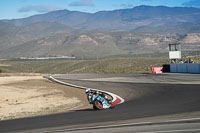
(32, 95)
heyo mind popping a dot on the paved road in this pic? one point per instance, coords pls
(167, 78)
(165, 128)
(159, 96)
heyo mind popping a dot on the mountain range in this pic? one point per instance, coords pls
(142, 29)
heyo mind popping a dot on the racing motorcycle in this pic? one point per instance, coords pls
(99, 100)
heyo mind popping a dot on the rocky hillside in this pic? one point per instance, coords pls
(11, 35)
(101, 44)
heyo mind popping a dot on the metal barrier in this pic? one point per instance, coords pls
(185, 68)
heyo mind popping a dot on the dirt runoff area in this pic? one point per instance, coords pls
(32, 95)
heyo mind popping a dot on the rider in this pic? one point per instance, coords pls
(89, 95)
(103, 100)
(92, 95)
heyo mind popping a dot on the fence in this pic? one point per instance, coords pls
(185, 68)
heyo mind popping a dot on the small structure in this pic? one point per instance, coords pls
(174, 52)
(179, 67)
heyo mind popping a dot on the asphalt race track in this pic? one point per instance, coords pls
(153, 103)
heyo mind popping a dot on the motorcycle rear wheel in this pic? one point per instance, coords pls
(97, 105)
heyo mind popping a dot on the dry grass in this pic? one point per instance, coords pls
(116, 65)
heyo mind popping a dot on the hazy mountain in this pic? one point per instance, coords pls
(11, 35)
(143, 29)
(8, 35)
(70, 18)
(42, 29)
(7, 29)
(123, 19)
(179, 28)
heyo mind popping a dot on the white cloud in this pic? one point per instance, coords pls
(126, 6)
(39, 8)
(192, 3)
(82, 3)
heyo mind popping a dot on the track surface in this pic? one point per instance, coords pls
(145, 95)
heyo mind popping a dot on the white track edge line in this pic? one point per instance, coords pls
(82, 87)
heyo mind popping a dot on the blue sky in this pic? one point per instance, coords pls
(10, 9)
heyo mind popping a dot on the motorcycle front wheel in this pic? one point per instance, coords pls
(112, 106)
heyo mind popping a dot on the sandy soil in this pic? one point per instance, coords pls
(24, 96)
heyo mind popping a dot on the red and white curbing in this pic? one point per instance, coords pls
(116, 99)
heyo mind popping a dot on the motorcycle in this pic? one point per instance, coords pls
(100, 100)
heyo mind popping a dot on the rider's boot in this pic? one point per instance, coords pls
(105, 105)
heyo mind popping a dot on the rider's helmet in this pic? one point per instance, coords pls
(87, 90)
(103, 94)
